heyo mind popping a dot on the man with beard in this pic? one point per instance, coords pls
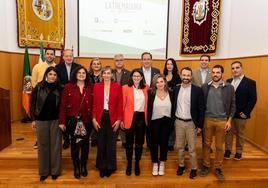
(220, 108)
(188, 110)
(40, 68)
(245, 100)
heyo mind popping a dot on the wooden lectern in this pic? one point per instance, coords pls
(5, 120)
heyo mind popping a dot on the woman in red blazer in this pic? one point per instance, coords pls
(135, 117)
(77, 101)
(107, 116)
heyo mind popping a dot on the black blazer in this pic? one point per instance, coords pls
(154, 71)
(151, 97)
(197, 108)
(245, 96)
(174, 81)
(124, 78)
(61, 68)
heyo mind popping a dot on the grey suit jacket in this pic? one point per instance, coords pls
(197, 78)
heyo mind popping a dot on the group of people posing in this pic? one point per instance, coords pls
(164, 109)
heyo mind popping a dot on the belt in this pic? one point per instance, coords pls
(185, 120)
(105, 111)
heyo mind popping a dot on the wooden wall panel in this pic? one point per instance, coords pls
(254, 67)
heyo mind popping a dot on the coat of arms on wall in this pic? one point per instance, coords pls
(200, 27)
(41, 21)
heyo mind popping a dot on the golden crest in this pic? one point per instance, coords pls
(43, 9)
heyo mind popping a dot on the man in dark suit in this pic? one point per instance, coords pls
(121, 76)
(188, 113)
(147, 69)
(65, 70)
(245, 99)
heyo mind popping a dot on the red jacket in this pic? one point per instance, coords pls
(128, 104)
(71, 100)
(115, 102)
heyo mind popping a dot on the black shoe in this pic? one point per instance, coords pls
(227, 154)
(108, 173)
(102, 173)
(66, 145)
(180, 170)
(129, 169)
(43, 178)
(238, 156)
(171, 148)
(193, 174)
(84, 169)
(186, 148)
(204, 171)
(54, 177)
(137, 168)
(94, 143)
(77, 169)
(219, 174)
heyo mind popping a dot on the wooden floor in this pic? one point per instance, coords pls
(18, 168)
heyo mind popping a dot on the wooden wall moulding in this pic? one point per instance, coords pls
(41, 21)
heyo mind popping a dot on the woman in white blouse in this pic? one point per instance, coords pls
(159, 122)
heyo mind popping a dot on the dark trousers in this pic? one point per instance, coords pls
(79, 150)
(159, 133)
(66, 135)
(106, 151)
(135, 135)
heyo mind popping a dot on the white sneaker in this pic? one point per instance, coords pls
(155, 169)
(161, 171)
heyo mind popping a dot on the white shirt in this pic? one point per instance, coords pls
(139, 100)
(106, 101)
(161, 108)
(68, 68)
(236, 81)
(184, 103)
(147, 75)
(204, 73)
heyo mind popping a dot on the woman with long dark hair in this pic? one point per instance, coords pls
(159, 122)
(107, 116)
(135, 98)
(45, 104)
(76, 113)
(173, 78)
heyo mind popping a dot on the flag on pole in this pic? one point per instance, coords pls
(27, 85)
(41, 55)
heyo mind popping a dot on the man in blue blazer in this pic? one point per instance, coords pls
(65, 71)
(147, 69)
(245, 99)
(188, 112)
